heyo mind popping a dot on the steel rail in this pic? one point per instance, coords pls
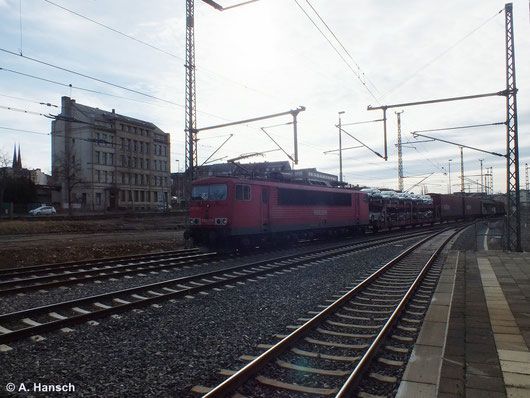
(242, 272)
(102, 273)
(14, 272)
(235, 381)
(355, 377)
(50, 281)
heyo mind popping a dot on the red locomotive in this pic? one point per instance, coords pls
(236, 212)
(226, 211)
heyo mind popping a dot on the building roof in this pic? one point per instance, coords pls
(97, 113)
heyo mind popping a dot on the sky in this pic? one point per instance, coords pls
(269, 57)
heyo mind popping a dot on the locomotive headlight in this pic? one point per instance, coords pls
(221, 221)
(195, 221)
(225, 221)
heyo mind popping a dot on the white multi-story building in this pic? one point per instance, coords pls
(109, 161)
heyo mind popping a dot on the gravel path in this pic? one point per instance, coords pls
(164, 352)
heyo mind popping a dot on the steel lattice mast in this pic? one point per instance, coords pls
(400, 152)
(191, 103)
(513, 204)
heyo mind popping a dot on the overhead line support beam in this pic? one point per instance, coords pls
(385, 107)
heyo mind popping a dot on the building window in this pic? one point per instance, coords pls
(130, 196)
(122, 196)
(97, 158)
(141, 147)
(123, 178)
(111, 177)
(135, 145)
(98, 176)
(122, 127)
(147, 180)
(122, 143)
(147, 164)
(142, 196)
(136, 179)
(128, 144)
(98, 198)
(154, 164)
(128, 161)
(147, 133)
(134, 129)
(111, 159)
(104, 157)
(122, 158)
(135, 164)
(141, 163)
(98, 139)
(105, 176)
(136, 196)
(146, 147)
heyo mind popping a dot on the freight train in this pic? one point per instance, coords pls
(229, 212)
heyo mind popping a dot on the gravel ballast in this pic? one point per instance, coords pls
(163, 352)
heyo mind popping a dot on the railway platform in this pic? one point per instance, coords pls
(475, 340)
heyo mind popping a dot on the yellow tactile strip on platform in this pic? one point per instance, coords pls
(513, 352)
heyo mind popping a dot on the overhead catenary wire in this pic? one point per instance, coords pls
(88, 77)
(9, 108)
(337, 51)
(102, 92)
(28, 100)
(437, 57)
(340, 43)
(115, 30)
(156, 48)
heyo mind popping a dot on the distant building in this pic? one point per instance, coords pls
(108, 160)
(315, 175)
(259, 169)
(39, 178)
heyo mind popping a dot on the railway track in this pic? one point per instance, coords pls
(23, 280)
(356, 346)
(34, 321)
(19, 282)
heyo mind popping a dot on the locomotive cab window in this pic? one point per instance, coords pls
(209, 192)
(242, 192)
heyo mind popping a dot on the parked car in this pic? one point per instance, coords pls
(43, 210)
(163, 207)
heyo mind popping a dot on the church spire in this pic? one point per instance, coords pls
(19, 160)
(15, 162)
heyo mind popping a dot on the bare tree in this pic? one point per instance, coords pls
(67, 170)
